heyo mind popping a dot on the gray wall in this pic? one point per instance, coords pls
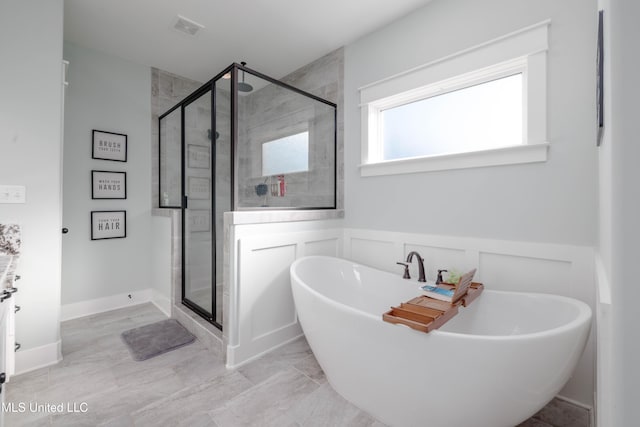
(30, 155)
(555, 201)
(111, 94)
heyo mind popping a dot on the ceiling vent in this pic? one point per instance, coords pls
(187, 26)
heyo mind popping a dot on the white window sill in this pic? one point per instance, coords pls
(512, 155)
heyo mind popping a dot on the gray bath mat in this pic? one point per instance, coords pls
(154, 339)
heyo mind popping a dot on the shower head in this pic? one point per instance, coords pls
(242, 86)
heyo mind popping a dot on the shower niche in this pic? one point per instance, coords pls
(241, 142)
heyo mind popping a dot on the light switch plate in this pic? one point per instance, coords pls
(13, 194)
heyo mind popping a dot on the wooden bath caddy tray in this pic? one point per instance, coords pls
(426, 314)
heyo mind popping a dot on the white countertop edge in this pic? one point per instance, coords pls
(265, 216)
(272, 216)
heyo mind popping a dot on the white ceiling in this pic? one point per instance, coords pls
(274, 37)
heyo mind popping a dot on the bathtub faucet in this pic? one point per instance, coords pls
(421, 277)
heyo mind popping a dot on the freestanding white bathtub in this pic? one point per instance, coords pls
(494, 364)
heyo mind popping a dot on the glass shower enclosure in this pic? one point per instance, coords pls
(242, 141)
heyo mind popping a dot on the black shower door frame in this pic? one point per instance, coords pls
(233, 71)
(209, 316)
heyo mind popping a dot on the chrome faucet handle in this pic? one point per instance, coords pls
(406, 270)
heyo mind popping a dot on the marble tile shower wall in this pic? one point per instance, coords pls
(166, 91)
(325, 78)
(222, 182)
(268, 111)
(273, 112)
(198, 133)
(197, 123)
(171, 151)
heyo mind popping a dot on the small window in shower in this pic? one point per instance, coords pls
(286, 155)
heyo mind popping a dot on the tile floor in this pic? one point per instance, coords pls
(98, 384)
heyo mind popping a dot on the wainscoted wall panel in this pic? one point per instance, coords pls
(503, 265)
(262, 313)
(373, 252)
(520, 273)
(439, 258)
(267, 287)
(323, 247)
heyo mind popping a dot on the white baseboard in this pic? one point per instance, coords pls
(100, 305)
(162, 302)
(233, 350)
(34, 358)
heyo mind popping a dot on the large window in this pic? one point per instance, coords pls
(484, 106)
(483, 116)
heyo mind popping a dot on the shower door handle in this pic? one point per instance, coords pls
(185, 202)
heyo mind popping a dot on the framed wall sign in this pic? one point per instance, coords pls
(199, 188)
(198, 156)
(199, 220)
(109, 146)
(108, 185)
(108, 225)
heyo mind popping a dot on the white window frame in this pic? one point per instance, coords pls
(523, 51)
